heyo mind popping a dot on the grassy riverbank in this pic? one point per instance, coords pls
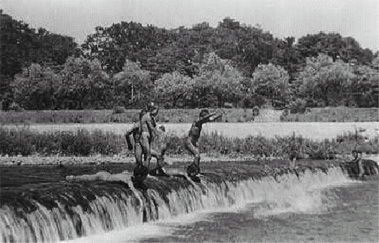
(25, 142)
(335, 114)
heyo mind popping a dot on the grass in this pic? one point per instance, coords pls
(336, 114)
(24, 142)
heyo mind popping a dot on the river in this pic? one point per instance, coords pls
(314, 208)
(347, 213)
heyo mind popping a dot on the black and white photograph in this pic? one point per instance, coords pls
(189, 121)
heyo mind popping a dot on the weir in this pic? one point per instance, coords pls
(50, 212)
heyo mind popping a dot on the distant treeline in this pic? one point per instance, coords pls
(233, 64)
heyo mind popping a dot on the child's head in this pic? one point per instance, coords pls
(203, 113)
(162, 128)
(356, 153)
(152, 108)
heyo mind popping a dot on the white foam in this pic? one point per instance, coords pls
(306, 195)
(130, 234)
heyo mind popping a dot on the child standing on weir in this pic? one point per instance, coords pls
(140, 137)
(192, 141)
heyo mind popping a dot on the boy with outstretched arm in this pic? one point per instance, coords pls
(192, 140)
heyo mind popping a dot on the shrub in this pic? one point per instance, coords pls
(298, 106)
(15, 107)
(256, 111)
(119, 110)
(105, 143)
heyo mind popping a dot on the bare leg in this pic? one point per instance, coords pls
(158, 170)
(155, 154)
(138, 153)
(160, 160)
(360, 168)
(293, 163)
(140, 172)
(145, 143)
(194, 168)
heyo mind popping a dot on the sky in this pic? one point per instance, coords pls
(78, 18)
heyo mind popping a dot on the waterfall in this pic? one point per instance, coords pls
(69, 210)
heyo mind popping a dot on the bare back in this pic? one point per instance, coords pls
(194, 132)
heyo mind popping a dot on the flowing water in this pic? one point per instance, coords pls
(346, 213)
(310, 206)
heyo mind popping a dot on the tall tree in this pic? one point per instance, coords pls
(272, 82)
(133, 86)
(325, 82)
(174, 89)
(126, 40)
(287, 56)
(335, 46)
(75, 89)
(218, 82)
(364, 88)
(21, 46)
(35, 88)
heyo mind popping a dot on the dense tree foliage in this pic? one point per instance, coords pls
(335, 46)
(132, 86)
(35, 88)
(21, 46)
(174, 89)
(324, 82)
(128, 64)
(364, 88)
(273, 82)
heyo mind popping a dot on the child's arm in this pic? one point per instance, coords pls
(206, 118)
(129, 137)
(212, 118)
(132, 129)
(151, 127)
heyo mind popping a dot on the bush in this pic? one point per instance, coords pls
(298, 106)
(256, 111)
(15, 107)
(119, 110)
(16, 141)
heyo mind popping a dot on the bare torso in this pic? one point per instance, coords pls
(145, 122)
(194, 132)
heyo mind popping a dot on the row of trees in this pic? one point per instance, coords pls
(82, 84)
(128, 64)
(21, 46)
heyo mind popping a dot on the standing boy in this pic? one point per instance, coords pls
(148, 131)
(133, 140)
(158, 151)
